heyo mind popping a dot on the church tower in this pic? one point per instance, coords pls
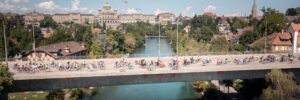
(254, 12)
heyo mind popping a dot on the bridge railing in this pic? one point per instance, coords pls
(147, 55)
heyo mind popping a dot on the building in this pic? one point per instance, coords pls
(281, 42)
(254, 10)
(181, 19)
(10, 15)
(108, 16)
(56, 51)
(294, 29)
(47, 32)
(87, 18)
(33, 18)
(73, 17)
(133, 18)
(165, 18)
(243, 30)
(276, 42)
(187, 28)
(209, 14)
(223, 26)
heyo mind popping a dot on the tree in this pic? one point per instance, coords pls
(95, 49)
(236, 23)
(273, 21)
(249, 37)
(5, 79)
(268, 11)
(87, 38)
(219, 44)
(130, 42)
(202, 86)
(55, 95)
(203, 34)
(104, 26)
(281, 86)
(298, 10)
(291, 12)
(252, 87)
(48, 22)
(227, 83)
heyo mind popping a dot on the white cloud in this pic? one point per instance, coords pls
(158, 11)
(24, 9)
(134, 11)
(187, 10)
(48, 5)
(92, 11)
(14, 6)
(210, 8)
(5, 5)
(20, 1)
(233, 14)
(75, 6)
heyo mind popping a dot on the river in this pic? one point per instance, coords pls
(160, 91)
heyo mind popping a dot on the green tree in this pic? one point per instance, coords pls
(250, 88)
(88, 38)
(60, 35)
(298, 10)
(55, 95)
(202, 86)
(219, 44)
(95, 49)
(48, 22)
(273, 21)
(5, 79)
(268, 11)
(281, 86)
(130, 42)
(227, 83)
(203, 34)
(236, 23)
(291, 12)
(249, 37)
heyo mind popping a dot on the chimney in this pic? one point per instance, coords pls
(282, 31)
(67, 50)
(82, 45)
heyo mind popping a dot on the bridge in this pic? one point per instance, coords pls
(56, 79)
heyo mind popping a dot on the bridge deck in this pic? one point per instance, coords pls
(188, 69)
(112, 76)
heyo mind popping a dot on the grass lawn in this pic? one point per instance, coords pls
(34, 95)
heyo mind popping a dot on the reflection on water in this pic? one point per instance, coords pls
(160, 91)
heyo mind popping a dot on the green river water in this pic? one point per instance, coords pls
(159, 91)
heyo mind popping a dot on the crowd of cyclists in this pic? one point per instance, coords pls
(124, 65)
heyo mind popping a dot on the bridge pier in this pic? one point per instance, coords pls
(4, 96)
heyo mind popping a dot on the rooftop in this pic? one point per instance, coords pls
(72, 46)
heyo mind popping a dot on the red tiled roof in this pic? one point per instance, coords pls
(285, 35)
(296, 27)
(210, 14)
(73, 46)
(278, 39)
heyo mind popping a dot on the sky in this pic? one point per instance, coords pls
(184, 7)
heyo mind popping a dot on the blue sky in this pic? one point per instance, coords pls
(185, 7)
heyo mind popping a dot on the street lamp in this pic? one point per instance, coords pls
(177, 39)
(159, 40)
(4, 37)
(33, 35)
(265, 48)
